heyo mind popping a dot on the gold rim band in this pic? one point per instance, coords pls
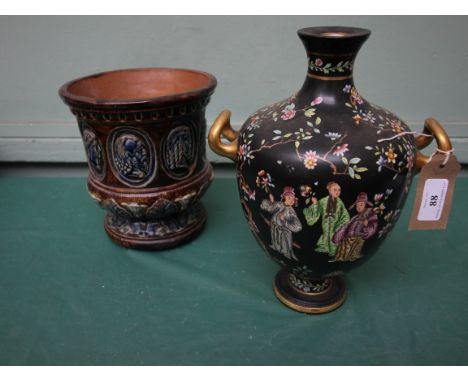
(303, 309)
(324, 78)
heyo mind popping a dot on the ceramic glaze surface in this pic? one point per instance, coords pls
(321, 188)
(144, 136)
(324, 174)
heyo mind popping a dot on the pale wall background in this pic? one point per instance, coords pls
(416, 66)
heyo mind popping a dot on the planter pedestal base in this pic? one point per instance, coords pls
(158, 233)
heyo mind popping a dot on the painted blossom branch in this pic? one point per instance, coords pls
(334, 146)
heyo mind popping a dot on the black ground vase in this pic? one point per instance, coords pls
(323, 174)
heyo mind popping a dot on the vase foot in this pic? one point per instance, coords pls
(157, 234)
(319, 295)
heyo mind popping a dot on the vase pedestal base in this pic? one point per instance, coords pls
(159, 233)
(318, 295)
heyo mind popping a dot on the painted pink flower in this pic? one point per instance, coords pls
(317, 101)
(310, 159)
(288, 112)
(288, 115)
(318, 62)
(340, 150)
(251, 194)
(243, 152)
(378, 198)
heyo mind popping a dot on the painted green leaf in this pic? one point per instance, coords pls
(318, 121)
(309, 112)
(351, 172)
(357, 176)
(262, 142)
(369, 148)
(307, 201)
(344, 160)
(307, 137)
(287, 135)
(354, 160)
(277, 137)
(348, 104)
(297, 143)
(316, 131)
(310, 124)
(360, 169)
(277, 131)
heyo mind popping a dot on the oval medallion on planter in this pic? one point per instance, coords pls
(132, 156)
(178, 152)
(94, 152)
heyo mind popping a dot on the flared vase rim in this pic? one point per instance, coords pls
(333, 32)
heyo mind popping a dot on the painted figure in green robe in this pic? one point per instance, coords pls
(333, 213)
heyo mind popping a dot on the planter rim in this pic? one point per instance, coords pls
(72, 99)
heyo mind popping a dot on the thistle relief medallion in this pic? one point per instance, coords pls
(132, 156)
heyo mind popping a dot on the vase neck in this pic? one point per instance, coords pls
(331, 52)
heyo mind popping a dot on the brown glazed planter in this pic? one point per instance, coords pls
(323, 174)
(144, 135)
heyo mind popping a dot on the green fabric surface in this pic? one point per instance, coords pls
(70, 296)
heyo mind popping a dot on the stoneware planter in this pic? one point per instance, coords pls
(144, 135)
(323, 174)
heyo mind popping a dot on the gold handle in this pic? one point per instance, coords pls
(222, 127)
(433, 127)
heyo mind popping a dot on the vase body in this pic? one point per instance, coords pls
(144, 135)
(323, 174)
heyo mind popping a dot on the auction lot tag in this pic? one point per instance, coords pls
(433, 199)
(434, 194)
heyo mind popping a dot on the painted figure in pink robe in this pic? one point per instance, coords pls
(351, 236)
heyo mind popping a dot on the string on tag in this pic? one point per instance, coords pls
(447, 155)
(403, 133)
